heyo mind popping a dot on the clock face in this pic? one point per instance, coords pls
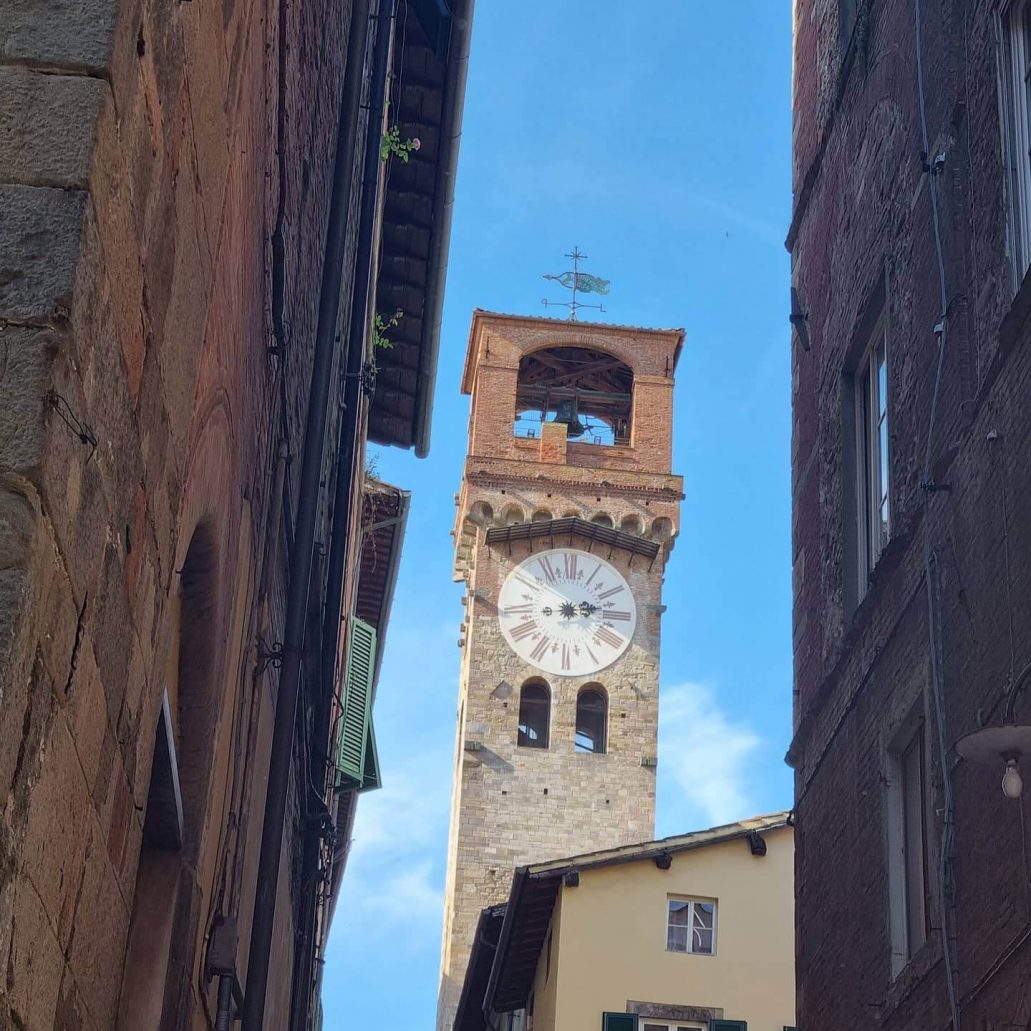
(567, 612)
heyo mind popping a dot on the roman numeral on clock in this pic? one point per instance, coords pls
(618, 615)
(524, 629)
(565, 656)
(518, 610)
(603, 635)
(547, 568)
(542, 646)
(611, 591)
(571, 562)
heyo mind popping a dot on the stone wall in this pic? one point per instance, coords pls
(861, 238)
(511, 805)
(141, 188)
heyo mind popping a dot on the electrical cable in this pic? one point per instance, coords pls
(934, 640)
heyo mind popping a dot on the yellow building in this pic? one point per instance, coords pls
(689, 933)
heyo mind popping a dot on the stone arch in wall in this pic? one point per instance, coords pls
(481, 513)
(589, 389)
(534, 729)
(662, 528)
(632, 524)
(512, 515)
(592, 717)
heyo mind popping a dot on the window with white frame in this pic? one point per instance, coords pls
(872, 460)
(908, 887)
(1015, 98)
(691, 926)
(662, 1025)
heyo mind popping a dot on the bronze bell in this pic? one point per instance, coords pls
(565, 412)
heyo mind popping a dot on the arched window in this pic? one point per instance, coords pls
(590, 391)
(534, 714)
(592, 710)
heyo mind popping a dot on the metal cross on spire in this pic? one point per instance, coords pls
(577, 282)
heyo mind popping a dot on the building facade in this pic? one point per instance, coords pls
(690, 933)
(566, 516)
(911, 548)
(199, 222)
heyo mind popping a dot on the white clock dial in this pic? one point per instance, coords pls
(567, 612)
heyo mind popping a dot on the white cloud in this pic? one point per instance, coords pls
(407, 813)
(707, 754)
(393, 883)
(409, 897)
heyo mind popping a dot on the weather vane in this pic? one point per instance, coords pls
(577, 282)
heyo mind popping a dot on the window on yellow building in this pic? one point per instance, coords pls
(651, 1025)
(691, 926)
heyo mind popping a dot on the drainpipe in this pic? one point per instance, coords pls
(301, 551)
(348, 438)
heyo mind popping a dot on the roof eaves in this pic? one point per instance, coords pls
(573, 526)
(376, 597)
(444, 203)
(675, 843)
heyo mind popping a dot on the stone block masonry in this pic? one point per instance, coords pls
(514, 805)
(149, 151)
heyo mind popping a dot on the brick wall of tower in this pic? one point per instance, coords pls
(513, 805)
(863, 223)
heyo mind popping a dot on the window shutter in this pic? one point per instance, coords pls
(728, 1025)
(352, 747)
(370, 772)
(619, 1022)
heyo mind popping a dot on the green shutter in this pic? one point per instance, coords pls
(728, 1025)
(370, 775)
(619, 1022)
(352, 747)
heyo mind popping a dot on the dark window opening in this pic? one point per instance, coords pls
(591, 719)
(848, 13)
(534, 714)
(591, 392)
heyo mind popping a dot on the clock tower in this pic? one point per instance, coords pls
(566, 516)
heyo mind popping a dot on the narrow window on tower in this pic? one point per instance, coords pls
(909, 908)
(592, 709)
(534, 714)
(868, 499)
(1014, 34)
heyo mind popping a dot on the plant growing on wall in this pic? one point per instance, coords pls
(380, 341)
(380, 327)
(391, 143)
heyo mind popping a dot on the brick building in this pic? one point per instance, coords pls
(911, 365)
(569, 463)
(197, 220)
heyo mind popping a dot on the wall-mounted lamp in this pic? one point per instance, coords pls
(1004, 743)
(799, 320)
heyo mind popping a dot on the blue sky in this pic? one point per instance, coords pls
(656, 137)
